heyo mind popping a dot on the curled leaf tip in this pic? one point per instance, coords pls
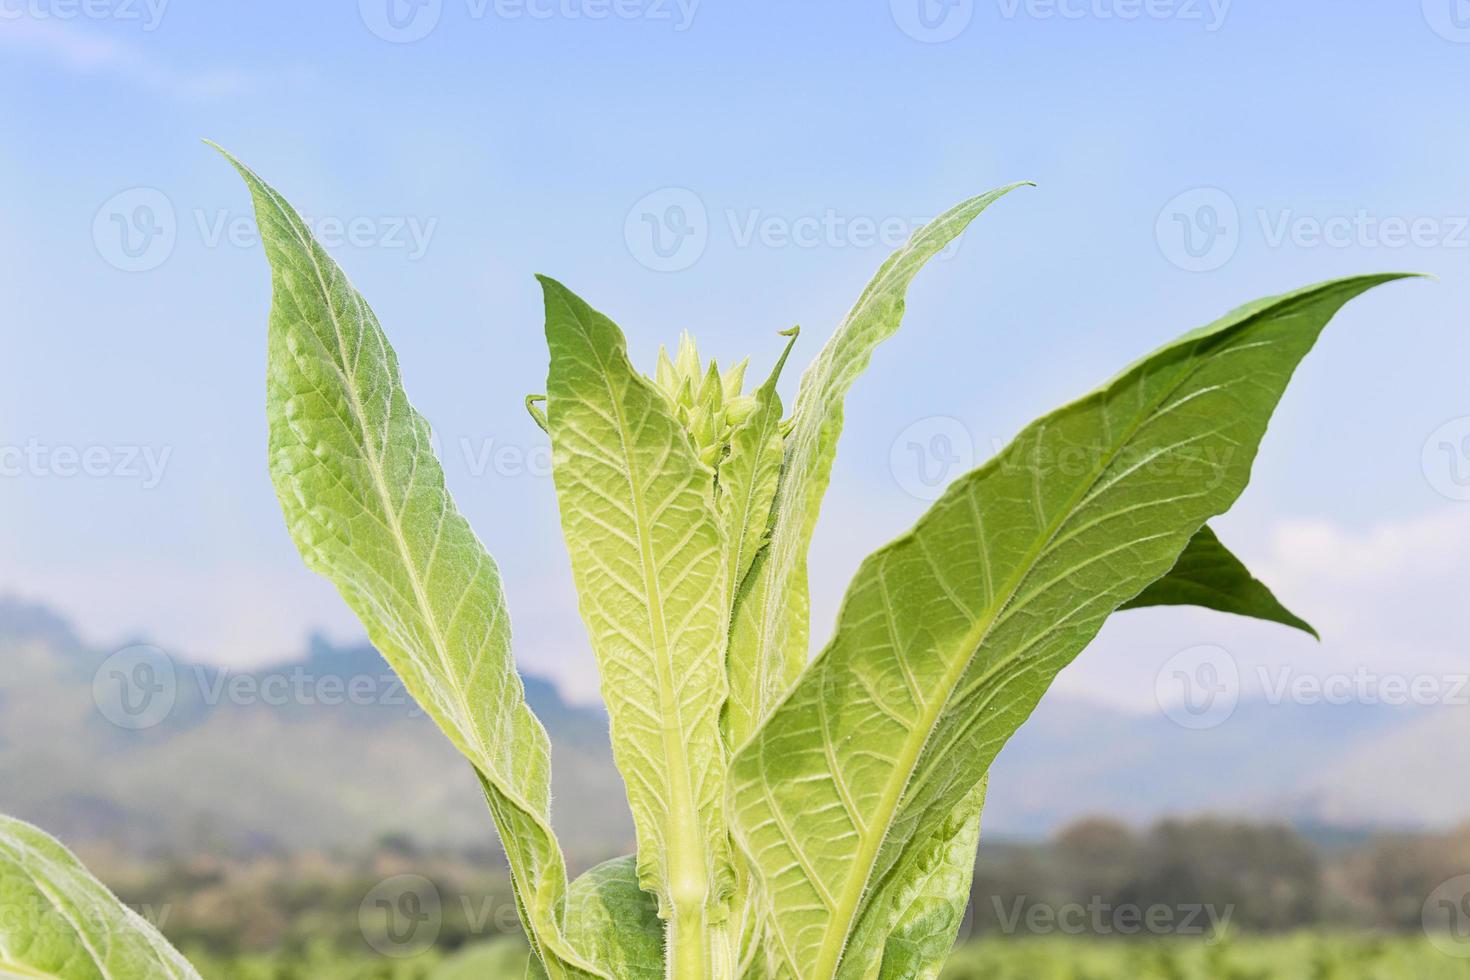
(537, 415)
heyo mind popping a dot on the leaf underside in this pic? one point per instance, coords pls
(647, 557)
(57, 922)
(769, 637)
(364, 499)
(858, 789)
(948, 636)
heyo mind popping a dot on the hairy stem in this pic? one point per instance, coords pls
(689, 952)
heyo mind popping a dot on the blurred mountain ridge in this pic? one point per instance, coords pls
(285, 758)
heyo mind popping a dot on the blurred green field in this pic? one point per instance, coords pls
(1297, 957)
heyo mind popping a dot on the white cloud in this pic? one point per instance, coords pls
(62, 44)
(1387, 600)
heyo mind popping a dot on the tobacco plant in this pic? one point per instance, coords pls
(794, 818)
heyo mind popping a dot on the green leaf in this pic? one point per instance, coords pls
(57, 922)
(748, 479)
(949, 636)
(934, 898)
(365, 501)
(609, 915)
(772, 612)
(637, 509)
(1208, 575)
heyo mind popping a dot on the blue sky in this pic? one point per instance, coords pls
(1290, 142)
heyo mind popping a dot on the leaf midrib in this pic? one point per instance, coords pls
(686, 824)
(806, 450)
(385, 500)
(829, 956)
(420, 597)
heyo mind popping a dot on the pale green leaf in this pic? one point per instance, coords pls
(365, 501)
(771, 617)
(57, 922)
(637, 509)
(949, 636)
(746, 489)
(1208, 575)
(611, 917)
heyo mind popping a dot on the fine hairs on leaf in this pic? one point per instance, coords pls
(796, 816)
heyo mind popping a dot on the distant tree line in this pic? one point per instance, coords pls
(1196, 877)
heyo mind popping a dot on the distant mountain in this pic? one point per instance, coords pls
(328, 752)
(1323, 767)
(325, 752)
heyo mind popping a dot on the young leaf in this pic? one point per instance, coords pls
(638, 513)
(771, 619)
(1208, 575)
(748, 479)
(365, 501)
(57, 922)
(949, 636)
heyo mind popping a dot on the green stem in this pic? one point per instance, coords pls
(689, 953)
